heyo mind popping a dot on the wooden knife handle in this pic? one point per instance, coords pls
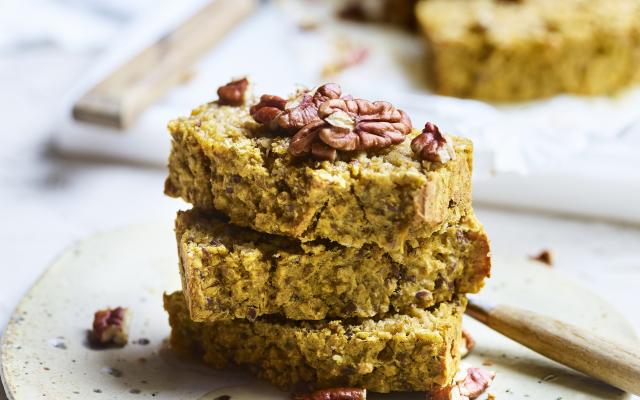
(580, 349)
(127, 91)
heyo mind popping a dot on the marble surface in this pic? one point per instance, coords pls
(49, 201)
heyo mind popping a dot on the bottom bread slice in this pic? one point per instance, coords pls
(414, 352)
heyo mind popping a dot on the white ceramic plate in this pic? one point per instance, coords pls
(44, 352)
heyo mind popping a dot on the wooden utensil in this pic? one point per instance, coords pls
(613, 363)
(120, 97)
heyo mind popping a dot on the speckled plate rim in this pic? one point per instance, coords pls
(55, 261)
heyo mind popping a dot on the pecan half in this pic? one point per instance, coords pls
(303, 109)
(468, 384)
(110, 326)
(348, 125)
(432, 145)
(266, 111)
(233, 93)
(294, 114)
(467, 343)
(375, 124)
(333, 394)
(323, 121)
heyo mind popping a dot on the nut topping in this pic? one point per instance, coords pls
(294, 114)
(306, 138)
(362, 124)
(269, 107)
(333, 394)
(110, 326)
(468, 384)
(303, 109)
(432, 145)
(349, 125)
(233, 93)
(323, 121)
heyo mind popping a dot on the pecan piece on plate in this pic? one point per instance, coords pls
(432, 145)
(545, 257)
(233, 93)
(467, 344)
(333, 394)
(110, 327)
(468, 384)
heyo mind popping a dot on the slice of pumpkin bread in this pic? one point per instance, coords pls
(521, 50)
(418, 351)
(232, 272)
(222, 159)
